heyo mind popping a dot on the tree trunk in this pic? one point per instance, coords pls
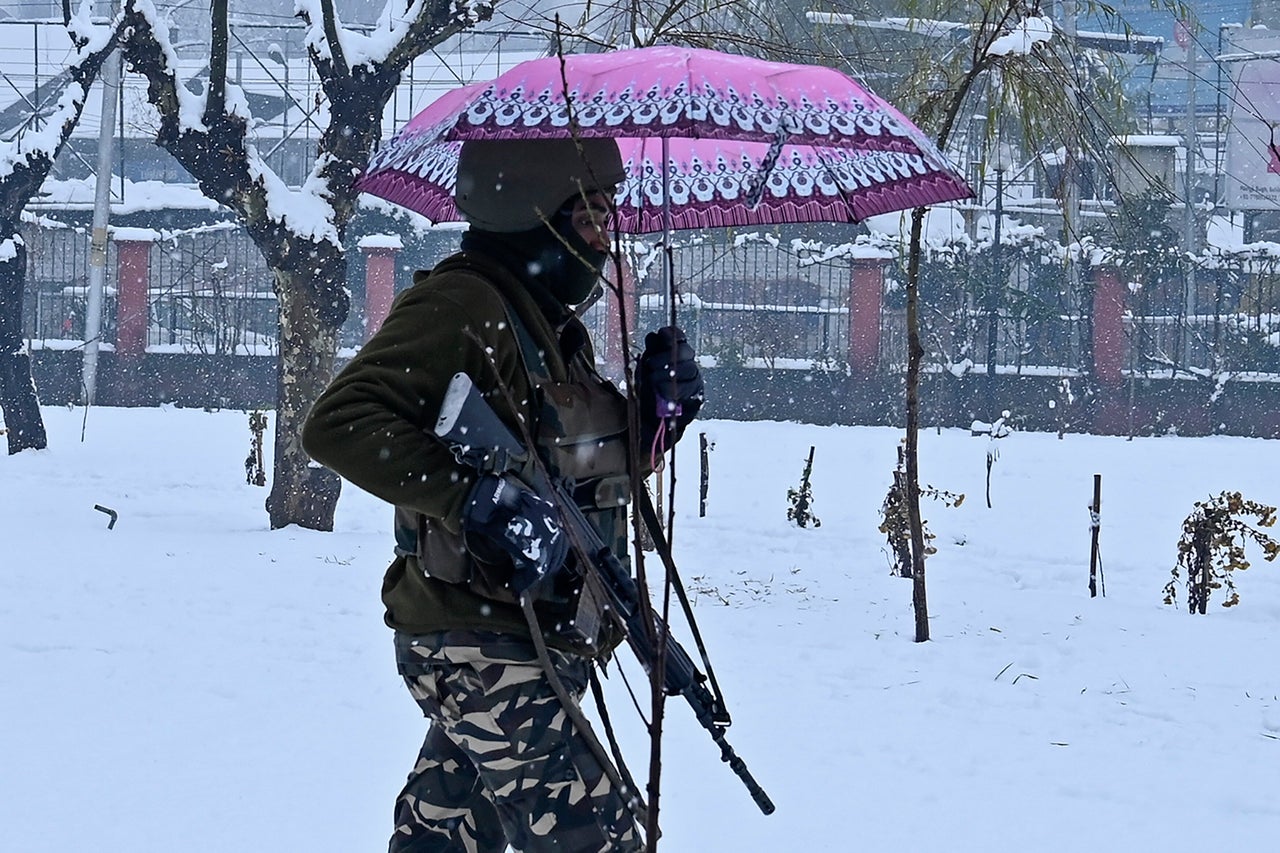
(302, 492)
(310, 274)
(1198, 598)
(915, 355)
(18, 400)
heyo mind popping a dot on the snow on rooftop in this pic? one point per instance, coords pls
(941, 225)
(136, 235)
(137, 196)
(1025, 36)
(1225, 233)
(1150, 140)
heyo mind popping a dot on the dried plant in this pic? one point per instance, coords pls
(255, 470)
(1212, 547)
(896, 525)
(801, 499)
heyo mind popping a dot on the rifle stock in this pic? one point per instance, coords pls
(479, 439)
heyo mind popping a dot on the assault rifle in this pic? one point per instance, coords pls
(480, 440)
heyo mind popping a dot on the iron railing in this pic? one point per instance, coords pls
(209, 292)
(753, 304)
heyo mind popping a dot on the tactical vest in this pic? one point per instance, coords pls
(580, 431)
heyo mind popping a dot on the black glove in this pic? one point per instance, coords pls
(670, 384)
(502, 517)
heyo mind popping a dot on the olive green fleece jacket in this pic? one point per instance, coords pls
(371, 425)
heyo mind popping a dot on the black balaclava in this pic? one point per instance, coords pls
(553, 259)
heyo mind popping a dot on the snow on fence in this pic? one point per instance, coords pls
(744, 304)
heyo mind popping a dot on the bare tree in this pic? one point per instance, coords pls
(209, 135)
(25, 162)
(999, 58)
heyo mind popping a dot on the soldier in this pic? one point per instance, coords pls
(502, 763)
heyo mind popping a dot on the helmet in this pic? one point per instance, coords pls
(511, 185)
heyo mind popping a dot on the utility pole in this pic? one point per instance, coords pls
(1219, 121)
(996, 292)
(1071, 166)
(101, 211)
(1190, 244)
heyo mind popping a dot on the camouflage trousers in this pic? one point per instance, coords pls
(501, 763)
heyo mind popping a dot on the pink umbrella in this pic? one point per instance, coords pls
(676, 92)
(714, 174)
(708, 181)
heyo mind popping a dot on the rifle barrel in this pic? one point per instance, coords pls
(739, 767)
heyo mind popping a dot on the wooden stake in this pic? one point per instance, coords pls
(706, 475)
(1095, 523)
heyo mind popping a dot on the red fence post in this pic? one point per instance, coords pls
(380, 253)
(614, 354)
(866, 292)
(133, 270)
(1108, 326)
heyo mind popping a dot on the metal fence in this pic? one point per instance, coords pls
(209, 292)
(752, 303)
(57, 284)
(1226, 323)
(1045, 344)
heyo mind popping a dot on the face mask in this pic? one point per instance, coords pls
(555, 256)
(572, 275)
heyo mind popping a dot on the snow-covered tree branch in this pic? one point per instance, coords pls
(25, 162)
(300, 232)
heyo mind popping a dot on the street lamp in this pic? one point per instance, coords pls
(1001, 163)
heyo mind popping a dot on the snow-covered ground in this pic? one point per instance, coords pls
(190, 680)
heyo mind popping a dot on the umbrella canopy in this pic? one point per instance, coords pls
(708, 183)
(708, 139)
(676, 92)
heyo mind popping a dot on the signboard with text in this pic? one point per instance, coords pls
(1252, 179)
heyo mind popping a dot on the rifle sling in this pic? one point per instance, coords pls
(621, 778)
(597, 695)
